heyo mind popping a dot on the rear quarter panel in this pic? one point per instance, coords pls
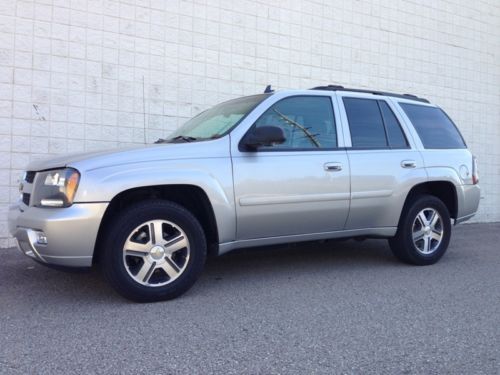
(453, 165)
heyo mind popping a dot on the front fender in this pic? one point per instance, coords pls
(213, 175)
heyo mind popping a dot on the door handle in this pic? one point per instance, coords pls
(333, 167)
(409, 164)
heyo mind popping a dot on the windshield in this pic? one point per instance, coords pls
(216, 121)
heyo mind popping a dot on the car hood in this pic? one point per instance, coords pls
(131, 155)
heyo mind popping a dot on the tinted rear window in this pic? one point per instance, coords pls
(365, 123)
(373, 124)
(433, 126)
(394, 133)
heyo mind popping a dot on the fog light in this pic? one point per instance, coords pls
(41, 238)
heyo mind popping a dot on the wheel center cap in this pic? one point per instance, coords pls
(427, 230)
(157, 252)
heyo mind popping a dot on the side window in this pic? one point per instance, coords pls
(394, 133)
(373, 124)
(307, 122)
(433, 126)
(365, 123)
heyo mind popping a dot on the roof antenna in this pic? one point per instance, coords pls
(144, 107)
(268, 89)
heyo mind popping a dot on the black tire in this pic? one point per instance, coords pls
(123, 225)
(403, 246)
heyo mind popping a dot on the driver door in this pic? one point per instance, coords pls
(298, 187)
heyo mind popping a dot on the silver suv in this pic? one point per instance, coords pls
(290, 166)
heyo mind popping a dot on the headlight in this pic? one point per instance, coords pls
(55, 188)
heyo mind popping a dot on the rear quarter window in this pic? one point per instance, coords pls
(434, 127)
(365, 123)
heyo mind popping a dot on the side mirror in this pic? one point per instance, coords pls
(264, 136)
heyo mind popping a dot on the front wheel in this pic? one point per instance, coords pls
(154, 251)
(424, 232)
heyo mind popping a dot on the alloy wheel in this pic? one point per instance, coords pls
(427, 231)
(156, 253)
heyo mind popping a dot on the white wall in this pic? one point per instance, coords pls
(81, 75)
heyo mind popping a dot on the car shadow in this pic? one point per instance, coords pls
(23, 277)
(301, 257)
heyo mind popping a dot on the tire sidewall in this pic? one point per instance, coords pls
(113, 264)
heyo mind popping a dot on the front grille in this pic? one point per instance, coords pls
(26, 199)
(30, 177)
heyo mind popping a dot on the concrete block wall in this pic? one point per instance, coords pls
(80, 75)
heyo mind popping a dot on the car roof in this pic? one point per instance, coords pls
(367, 91)
(409, 97)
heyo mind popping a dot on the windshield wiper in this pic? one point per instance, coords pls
(179, 138)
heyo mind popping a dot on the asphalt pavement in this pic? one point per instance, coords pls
(326, 308)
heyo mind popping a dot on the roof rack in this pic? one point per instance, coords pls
(342, 88)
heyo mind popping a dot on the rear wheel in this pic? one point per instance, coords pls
(424, 232)
(154, 251)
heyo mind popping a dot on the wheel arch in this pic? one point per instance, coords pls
(443, 190)
(191, 197)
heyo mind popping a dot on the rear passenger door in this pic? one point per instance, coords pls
(383, 161)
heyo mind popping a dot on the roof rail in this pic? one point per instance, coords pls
(342, 88)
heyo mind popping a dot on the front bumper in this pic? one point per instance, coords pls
(70, 233)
